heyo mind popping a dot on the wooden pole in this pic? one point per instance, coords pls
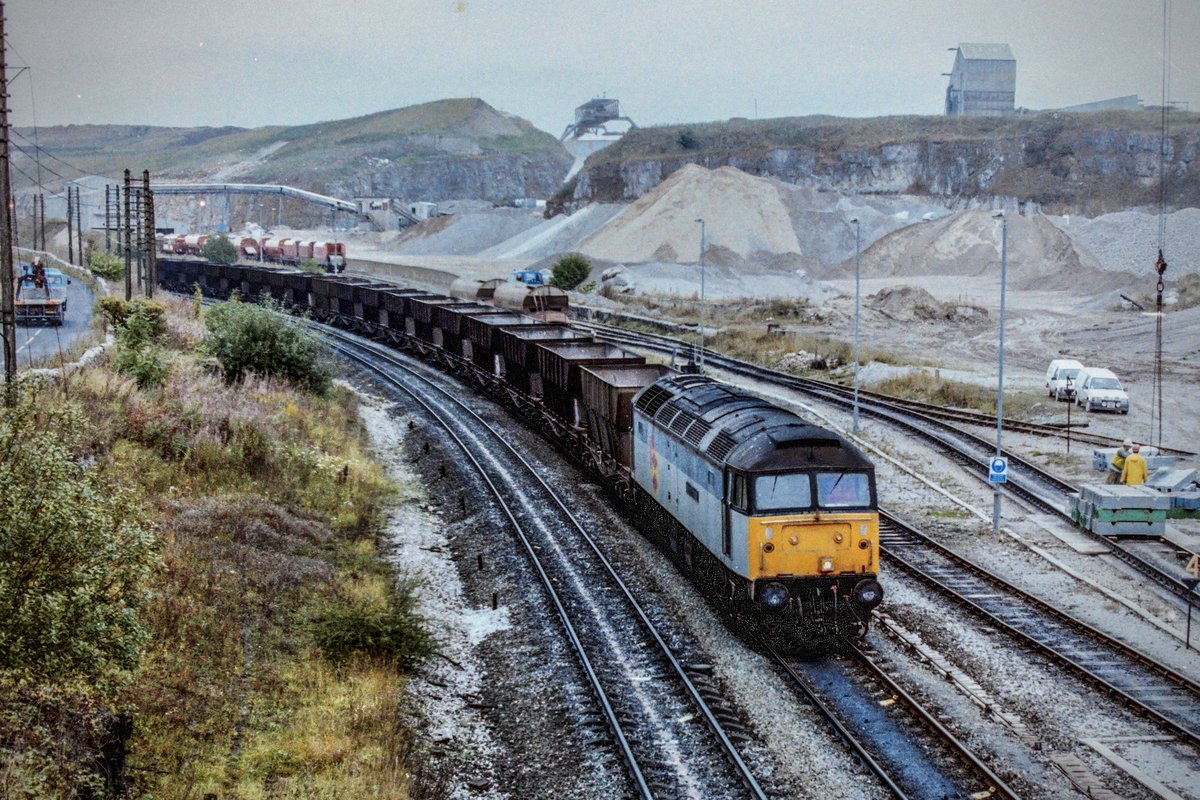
(128, 245)
(70, 226)
(8, 314)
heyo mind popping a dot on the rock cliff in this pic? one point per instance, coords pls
(1065, 162)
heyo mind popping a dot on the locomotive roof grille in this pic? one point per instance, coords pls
(652, 399)
(720, 446)
(696, 432)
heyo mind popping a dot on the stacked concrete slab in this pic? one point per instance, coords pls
(1121, 510)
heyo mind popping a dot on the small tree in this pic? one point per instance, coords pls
(570, 271)
(72, 558)
(106, 265)
(219, 250)
(246, 337)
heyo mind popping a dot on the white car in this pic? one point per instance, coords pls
(1062, 378)
(1099, 389)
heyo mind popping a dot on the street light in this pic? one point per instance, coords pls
(703, 244)
(857, 304)
(1000, 383)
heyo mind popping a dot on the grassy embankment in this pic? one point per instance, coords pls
(270, 638)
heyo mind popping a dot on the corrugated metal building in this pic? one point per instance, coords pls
(983, 82)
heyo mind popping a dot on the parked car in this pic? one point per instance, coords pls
(1061, 372)
(1099, 389)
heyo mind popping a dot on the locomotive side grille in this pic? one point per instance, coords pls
(652, 399)
(720, 446)
(696, 432)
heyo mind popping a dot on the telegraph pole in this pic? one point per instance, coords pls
(107, 218)
(128, 244)
(139, 236)
(117, 214)
(148, 213)
(8, 314)
(79, 223)
(70, 227)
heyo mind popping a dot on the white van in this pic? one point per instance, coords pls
(1060, 371)
(1097, 389)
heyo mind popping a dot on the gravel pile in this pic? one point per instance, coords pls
(1128, 240)
(467, 234)
(561, 234)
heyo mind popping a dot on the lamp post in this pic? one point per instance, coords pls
(1000, 383)
(857, 306)
(703, 244)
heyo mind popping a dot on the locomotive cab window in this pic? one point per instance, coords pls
(738, 497)
(843, 490)
(788, 492)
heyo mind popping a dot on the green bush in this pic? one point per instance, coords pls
(310, 265)
(246, 337)
(139, 352)
(106, 265)
(570, 271)
(219, 250)
(73, 556)
(346, 627)
(152, 313)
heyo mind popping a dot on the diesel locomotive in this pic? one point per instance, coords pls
(773, 517)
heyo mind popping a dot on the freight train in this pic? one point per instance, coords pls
(773, 516)
(293, 252)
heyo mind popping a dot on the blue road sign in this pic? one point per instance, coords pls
(998, 471)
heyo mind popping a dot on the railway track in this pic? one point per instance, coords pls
(1152, 688)
(959, 415)
(1026, 480)
(889, 731)
(646, 693)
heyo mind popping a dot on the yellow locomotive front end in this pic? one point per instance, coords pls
(813, 542)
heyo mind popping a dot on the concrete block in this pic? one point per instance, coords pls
(1129, 528)
(1172, 480)
(1121, 496)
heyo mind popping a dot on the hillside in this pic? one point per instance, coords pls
(461, 148)
(1089, 163)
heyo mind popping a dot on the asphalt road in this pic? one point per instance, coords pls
(39, 345)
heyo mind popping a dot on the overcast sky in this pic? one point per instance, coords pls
(261, 62)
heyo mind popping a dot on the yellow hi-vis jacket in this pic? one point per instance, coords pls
(1134, 472)
(1118, 459)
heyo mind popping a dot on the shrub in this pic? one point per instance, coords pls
(140, 325)
(388, 629)
(310, 265)
(246, 337)
(687, 140)
(72, 558)
(219, 250)
(106, 265)
(152, 313)
(570, 271)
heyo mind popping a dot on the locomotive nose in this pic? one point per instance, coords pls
(868, 594)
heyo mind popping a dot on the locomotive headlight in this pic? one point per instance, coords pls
(769, 534)
(774, 596)
(826, 564)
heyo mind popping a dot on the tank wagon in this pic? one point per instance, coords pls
(543, 303)
(769, 514)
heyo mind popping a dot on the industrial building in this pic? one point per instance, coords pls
(983, 82)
